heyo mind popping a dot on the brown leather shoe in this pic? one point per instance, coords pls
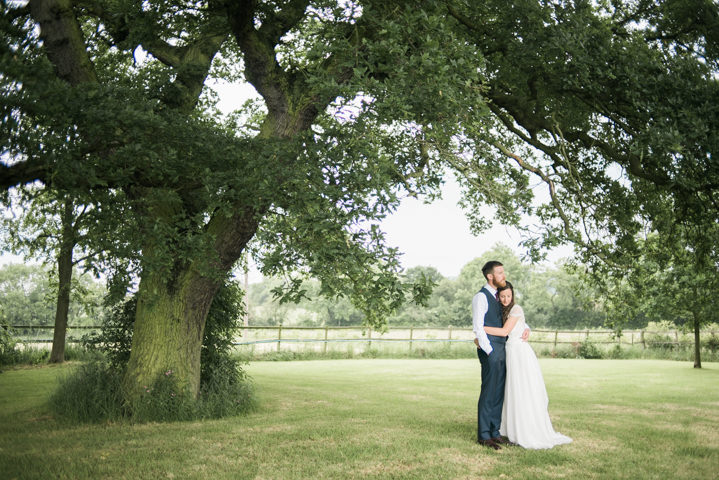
(502, 441)
(490, 443)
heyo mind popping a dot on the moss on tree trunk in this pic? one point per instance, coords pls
(168, 332)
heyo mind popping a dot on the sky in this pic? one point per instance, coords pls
(436, 234)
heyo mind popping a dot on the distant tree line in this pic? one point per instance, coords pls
(557, 297)
(28, 295)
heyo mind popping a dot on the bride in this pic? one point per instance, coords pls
(525, 420)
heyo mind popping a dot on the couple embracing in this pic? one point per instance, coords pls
(512, 407)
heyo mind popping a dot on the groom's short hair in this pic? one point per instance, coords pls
(489, 267)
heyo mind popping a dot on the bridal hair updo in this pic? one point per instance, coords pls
(508, 308)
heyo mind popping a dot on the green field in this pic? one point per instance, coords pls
(384, 419)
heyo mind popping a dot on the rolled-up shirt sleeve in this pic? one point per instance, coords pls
(479, 309)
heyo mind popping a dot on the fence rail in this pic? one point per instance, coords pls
(267, 337)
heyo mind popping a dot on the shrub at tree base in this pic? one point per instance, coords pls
(91, 393)
(164, 401)
(588, 350)
(115, 337)
(94, 392)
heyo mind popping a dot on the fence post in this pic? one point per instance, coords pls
(641, 339)
(411, 334)
(632, 338)
(556, 333)
(325, 347)
(587, 337)
(369, 335)
(279, 336)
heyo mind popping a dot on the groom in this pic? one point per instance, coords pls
(486, 310)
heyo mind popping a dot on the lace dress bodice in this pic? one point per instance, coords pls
(516, 334)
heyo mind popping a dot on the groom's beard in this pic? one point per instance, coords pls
(501, 285)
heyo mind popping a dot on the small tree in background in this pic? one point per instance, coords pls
(668, 282)
(41, 224)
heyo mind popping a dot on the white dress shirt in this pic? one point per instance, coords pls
(479, 310)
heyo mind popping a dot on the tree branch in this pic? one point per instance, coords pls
(545, 178)
(462, 168)
(261, 67)
(63, 40)
(22, 173)
(536, 123)
(79, 216)
(571, 235)
(277, 25)
(191, 62)
(86, 257)
(15, 13)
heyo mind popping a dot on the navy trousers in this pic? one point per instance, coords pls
(491, 396)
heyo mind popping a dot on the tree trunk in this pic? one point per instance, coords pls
(168, 332)
(170, 318)
(64, 269)
(246, 316)
(697, 344)
(63, 40)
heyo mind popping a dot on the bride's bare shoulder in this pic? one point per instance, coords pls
(516, 310)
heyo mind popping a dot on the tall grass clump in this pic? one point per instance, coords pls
(225, 388)
(8, 353)
(15, 352)
(91, 393)
(165, 401)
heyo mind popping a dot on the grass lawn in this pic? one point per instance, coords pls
(411, 419)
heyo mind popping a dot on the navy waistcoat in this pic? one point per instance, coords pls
(493, 317)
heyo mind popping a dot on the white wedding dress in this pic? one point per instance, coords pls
(525, 419)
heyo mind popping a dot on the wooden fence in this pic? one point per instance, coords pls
(262, 339)
(281, 337)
